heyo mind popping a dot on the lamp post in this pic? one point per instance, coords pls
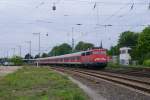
(39, 34)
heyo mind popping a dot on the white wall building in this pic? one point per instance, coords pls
(125, 57)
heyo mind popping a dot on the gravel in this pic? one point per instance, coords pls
(112, 91)
(4, 70)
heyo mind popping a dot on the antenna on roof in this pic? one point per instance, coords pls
(101, 45)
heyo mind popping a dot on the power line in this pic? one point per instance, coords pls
(121, 8)
(112, 3)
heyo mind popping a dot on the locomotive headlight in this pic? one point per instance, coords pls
(98, 59)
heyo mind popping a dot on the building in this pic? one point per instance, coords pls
(125, 57)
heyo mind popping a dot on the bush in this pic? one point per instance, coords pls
(147, 62)
(16, 60)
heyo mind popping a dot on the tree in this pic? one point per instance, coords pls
(16, 60)
(83, 46)
(44, 55)
(144, 44)
(54, 51)
(114, 50)
(65, 49)
(36, 56)
(60, 50)
(128, 39)
(28, 56)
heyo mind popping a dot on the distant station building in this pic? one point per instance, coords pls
(125, 57)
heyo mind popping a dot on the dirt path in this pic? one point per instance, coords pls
(4, 70)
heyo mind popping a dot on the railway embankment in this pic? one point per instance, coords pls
(31, 83)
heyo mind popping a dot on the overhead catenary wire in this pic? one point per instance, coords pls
(115, 13)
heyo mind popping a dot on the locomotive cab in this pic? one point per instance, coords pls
(96, 58)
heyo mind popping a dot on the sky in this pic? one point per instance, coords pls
(19, 19)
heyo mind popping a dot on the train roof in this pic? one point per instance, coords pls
(62, 56)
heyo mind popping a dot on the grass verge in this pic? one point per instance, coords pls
(31, 83)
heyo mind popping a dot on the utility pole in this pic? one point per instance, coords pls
(29, 42)
(20, 48)
(72, 39)
(39, 34)
(7, 54)
(101, 45)
(14, 50)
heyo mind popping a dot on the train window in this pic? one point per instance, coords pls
(73, 58)
(103, 52)
(83, 54)
(123, 51)
(88, 53)
(78, 58)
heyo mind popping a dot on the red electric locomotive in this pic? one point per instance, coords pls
(96, 57)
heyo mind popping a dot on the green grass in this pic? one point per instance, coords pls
(118, 66)
(31, 83)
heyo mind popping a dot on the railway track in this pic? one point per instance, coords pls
(136, 84)
(140, 72)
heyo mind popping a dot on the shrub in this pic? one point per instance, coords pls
(147, 62)
(16, 60)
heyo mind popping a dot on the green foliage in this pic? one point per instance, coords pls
(113, 65)
(114, 50)
(28, 56)
(147, 63)
(66, 48)
(37, 56)
(16, 60)
(31, 83)
(138, 42)
(128, 39)
(144, 43)
(44, 55)
(61, 50)
(83, 46)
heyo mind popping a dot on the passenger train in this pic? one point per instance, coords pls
(96, 57)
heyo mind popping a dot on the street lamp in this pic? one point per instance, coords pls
(39, 34)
